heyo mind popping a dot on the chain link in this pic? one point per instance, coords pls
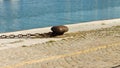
(28, 35)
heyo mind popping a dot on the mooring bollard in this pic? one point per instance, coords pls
(59, 30)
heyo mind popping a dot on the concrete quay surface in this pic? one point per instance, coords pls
(87, 49)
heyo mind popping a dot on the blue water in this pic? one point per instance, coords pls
(28, 14)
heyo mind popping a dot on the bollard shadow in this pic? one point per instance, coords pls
(48, 35)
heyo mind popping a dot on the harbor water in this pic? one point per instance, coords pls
(18, 15)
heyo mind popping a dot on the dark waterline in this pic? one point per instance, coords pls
(27, 14)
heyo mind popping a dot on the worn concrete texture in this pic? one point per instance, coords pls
(86, 49)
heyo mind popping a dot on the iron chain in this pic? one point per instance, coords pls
(29, 35)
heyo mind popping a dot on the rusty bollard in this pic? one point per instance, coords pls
(59, 30)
